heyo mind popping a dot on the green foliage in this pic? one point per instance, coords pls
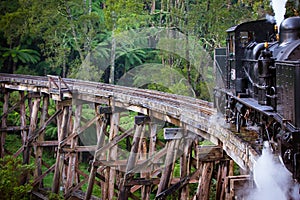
(11, 169)
(127, 120)
(159, 76)
(125, 14)
(51, 132)
(26, 70)
(61, 34)
(292, 8)
(13, 142)
(23, 55)
(54, 196)
(206, 142)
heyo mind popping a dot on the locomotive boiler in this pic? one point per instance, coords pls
(258, 84)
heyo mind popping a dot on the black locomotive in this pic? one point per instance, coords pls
(258, 84)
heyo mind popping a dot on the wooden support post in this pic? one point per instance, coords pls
(4, 123)
(174, 135)
(205, 181)
(40, 139)
(112, 155)
(23, 118)
(29, 106)
(152, 149)
(32, 128)
(91, 180)
(73, 159)
(231, 167)
(145, 191)
(152, 142)
(222, 173)
(139, 126)
(234, 186)
(101, 128)
(105, 183)
(62, 131)
(185, 169)
(167, 173)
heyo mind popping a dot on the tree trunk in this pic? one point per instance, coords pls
(112, 60)
(152, 7)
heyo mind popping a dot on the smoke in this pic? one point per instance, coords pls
(273, 180)
(218, 121)
(279, 10)
(270, 18)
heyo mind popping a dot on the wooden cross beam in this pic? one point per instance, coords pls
(209, 153)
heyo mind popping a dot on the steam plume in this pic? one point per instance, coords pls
(279, 10)
(272, 179)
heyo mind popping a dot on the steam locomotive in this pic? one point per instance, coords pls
(258, 84)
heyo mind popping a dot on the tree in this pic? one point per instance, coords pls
(121, 16)
(292, 8)
(18, 54)
(64, 31)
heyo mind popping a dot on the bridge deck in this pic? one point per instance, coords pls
(196, 116)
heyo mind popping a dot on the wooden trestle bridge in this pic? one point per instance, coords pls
(133, 163)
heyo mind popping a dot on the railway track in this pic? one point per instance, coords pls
(195, 105)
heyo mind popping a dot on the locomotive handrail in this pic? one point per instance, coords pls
(292, 62)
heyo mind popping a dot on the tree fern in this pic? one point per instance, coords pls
(18, 54)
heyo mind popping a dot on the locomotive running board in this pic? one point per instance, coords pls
(268, 110)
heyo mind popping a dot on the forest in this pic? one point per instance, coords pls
(102, 40)
(166, 45)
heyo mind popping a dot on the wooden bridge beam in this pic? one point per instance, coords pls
(62, 133)
(100, 128)
(140, 122)
(31, 132)
(185, 166)
(73, 158)
(234, 185)
(167, 173)
(22, 123)
(146, 189)
(40, 139)
(112, 154)
(4, 122)
(205, 181)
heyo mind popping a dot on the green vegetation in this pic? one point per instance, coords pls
(160, 45)
(105, 40)
(11, 169)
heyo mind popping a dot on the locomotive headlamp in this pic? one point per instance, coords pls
(266, 45)
(276, 31)
(276, 28)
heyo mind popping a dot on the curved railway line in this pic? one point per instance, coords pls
(190, 114)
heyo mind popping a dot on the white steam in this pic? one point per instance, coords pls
(273, 180)
(270, 18)
(279, 10)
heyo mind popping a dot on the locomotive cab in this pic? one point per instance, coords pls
(241, 41)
